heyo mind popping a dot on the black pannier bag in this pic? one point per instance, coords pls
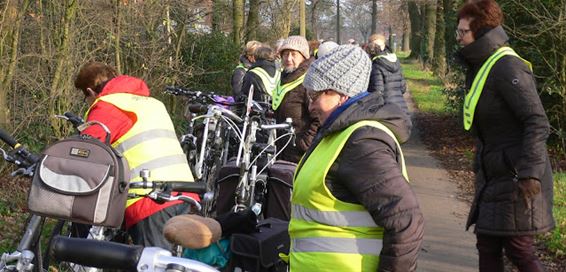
(259, 251)
(279, 188)
(81, 179)
(277, 202)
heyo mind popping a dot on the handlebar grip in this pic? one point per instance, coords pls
(74, 119)
(187, 187)
(197, 108)
(7, 138)
(276, 126)
(94, 253)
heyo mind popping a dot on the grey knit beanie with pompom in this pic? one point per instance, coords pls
(345, 69)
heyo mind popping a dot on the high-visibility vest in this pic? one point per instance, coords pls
(391, 57)
(473, 95)
(328, 234)
(282, 90)
(269, 82)
(151, 143)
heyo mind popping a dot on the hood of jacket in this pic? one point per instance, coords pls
(268, 66)
(475, 53)
(388, 61)
(368, 106)
(301, 70)
(125, 84)
(245, 61)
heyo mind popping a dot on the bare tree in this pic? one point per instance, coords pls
(237, 20)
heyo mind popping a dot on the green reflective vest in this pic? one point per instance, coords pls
(282, 90)
(151, 143)
(391, 57)
(328, 234)
(473, 95)
(269, 83)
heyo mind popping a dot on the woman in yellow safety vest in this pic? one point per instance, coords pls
(352, 206)
(513, 198)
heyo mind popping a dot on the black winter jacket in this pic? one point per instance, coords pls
(387, 77)
(368, 172)
(238, 76)
(260, 93)
(295, 105)
(511, 129)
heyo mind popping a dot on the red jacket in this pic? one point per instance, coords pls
(119, 122)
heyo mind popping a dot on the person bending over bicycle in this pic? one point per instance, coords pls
(143, 132)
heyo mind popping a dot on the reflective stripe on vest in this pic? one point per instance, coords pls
(328, 234)
(151, 143)
(240, 66)
(281, 91)
(473, 95)
(269, 83)
(391, 57)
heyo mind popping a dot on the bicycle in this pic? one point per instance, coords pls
(109, 255)
(250, 152)
(27, 256)
(210, 150)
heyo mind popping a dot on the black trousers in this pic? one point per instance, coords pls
(519, 249)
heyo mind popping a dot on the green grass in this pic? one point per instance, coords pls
(556, 240)
(425, 89)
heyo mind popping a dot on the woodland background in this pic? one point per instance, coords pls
(196, 43)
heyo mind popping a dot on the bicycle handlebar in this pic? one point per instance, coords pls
(94, 253)
(177, 186)
(110, 255)
(7, 138)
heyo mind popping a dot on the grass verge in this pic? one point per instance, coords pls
(556, 240)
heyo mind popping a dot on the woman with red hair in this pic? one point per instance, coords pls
(513, 198)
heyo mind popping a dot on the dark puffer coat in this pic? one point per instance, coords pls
(387, 77)
(511, 129)
(295, 104)
(368, 172)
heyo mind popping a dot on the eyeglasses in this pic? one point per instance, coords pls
(314, 95)
(462, 32)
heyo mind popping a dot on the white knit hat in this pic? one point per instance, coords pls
(324, 48)
(345, 69)
(297, 43)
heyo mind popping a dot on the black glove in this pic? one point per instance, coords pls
(528, 188)
(239, 222)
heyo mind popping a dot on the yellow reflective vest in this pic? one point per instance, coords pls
(282, 90)
(328, 234)
(151, 143)
(269, 82)
(473, 95)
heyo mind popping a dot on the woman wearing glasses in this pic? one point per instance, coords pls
(513, 198)
(352, 206)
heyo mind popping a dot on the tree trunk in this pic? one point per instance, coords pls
(60, 101)
(415, 16)
(117, 38)
(253, 20)
(15, 15)
(374, 17)
(314, 28)
(238, 20)
(429, 30)
(449, 27)
(439, 62)
(302, 19)
(338, 26)
(216, 15)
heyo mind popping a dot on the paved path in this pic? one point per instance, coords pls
(446, 246)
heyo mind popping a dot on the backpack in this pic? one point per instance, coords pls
(81, 179)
